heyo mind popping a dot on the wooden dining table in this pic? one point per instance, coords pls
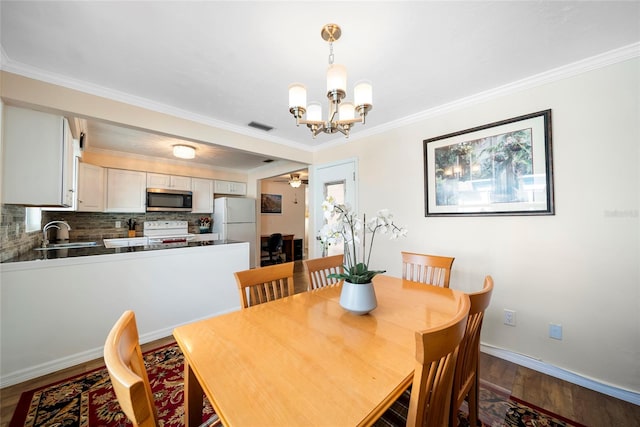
(305, 361)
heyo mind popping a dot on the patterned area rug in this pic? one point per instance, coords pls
(496, 409)
(87, 400)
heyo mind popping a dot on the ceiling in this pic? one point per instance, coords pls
(228, 63)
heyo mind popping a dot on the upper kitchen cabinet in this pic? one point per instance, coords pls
(157, 180)
(38, 160)
(90, 188)
(230, 187)
(126, 191)
(202, 195)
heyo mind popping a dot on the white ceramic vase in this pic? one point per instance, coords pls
(359, 298)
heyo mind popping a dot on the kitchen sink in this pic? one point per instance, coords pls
(68, 245)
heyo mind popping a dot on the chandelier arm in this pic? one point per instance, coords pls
(350, 121)
(343, 130)
(317, 130)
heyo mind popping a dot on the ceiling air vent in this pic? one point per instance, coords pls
(260, 126)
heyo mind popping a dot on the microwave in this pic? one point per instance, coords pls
(163, 200)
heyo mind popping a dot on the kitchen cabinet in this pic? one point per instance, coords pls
(202, 195)
(230, 187)
(173, 182)
(38, 159)
(90, 188)
(126, 191)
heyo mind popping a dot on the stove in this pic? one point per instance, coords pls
(163, 232)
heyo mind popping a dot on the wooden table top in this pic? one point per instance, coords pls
(303, 360)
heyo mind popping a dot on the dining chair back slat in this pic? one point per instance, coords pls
(430, 269)
(436, 355)
(465, 380)
(264, 284)
(319, 268)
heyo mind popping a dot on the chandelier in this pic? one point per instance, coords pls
(336, 91)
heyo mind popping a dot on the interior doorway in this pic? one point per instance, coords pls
(283, 208)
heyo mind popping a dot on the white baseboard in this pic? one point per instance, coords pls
(32, 372)
(70, 361)
(554, 371)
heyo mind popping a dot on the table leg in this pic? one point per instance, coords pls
(193, 398)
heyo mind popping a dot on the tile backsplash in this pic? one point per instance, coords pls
(84, 226)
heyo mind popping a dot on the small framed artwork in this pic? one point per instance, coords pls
(503, 168)
(271, 203)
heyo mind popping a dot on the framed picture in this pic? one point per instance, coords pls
(271, 203)
(503, 168)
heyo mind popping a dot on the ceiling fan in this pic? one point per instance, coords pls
(295, 181)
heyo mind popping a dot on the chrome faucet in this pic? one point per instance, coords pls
(52, 224)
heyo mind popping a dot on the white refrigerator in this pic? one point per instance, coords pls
(234, 218)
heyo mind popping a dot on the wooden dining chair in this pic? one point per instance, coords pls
(436, 355)
(427, 402)
(319, 268)
(264, 284)
(123, 358)
(125, 364)
(430, 269)
(465, 379)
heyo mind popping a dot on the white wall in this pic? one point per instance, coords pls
(291, 221)
(580, 267)
(57, 313)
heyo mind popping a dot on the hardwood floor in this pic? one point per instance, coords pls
(571, 401)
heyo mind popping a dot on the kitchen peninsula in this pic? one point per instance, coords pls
(56, 313)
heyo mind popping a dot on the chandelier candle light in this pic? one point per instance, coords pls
(336, 91)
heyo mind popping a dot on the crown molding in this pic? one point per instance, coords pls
(114, 95)
(580, 67)
(583, 66)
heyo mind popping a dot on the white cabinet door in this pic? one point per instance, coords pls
(158, 180)
(202, 195)
(90, 188)
(68, 166)
(173, 182)
(126, 191)
(238, 188)
(181, 183)
(230, 187)
(221, 187)
(38, 159)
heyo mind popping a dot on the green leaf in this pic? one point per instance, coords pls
(357, 274)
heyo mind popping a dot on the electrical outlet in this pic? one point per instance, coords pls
(509, 317)
(555, 331)
(118, 224)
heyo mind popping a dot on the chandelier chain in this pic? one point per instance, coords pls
(330, 53)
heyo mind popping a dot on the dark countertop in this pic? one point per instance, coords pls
(35, 255)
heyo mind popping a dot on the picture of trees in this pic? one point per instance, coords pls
(493, 169)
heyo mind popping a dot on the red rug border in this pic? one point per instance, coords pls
(546, 412)
(501, 390)
(25, 398)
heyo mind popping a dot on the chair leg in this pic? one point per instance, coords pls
(473, 402)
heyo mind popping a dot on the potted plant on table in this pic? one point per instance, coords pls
(358, 295)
